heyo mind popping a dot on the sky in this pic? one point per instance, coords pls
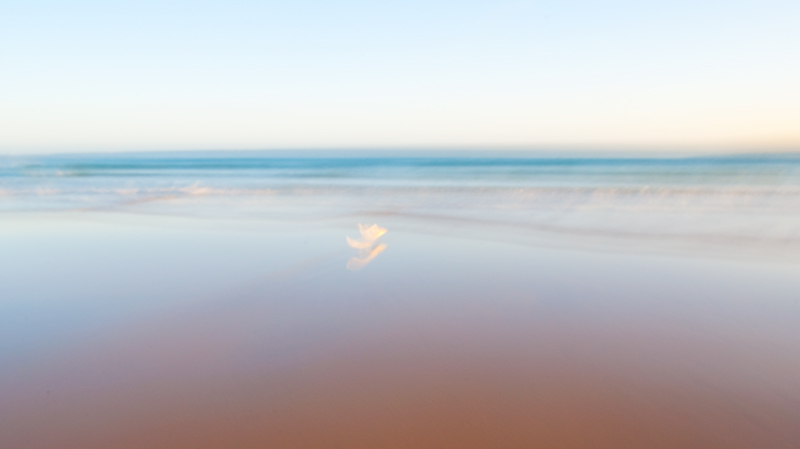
(190, 75)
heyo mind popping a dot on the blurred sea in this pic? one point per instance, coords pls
(729, 201)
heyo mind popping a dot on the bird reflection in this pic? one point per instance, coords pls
(368, 246)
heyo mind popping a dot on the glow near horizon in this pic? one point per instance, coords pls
(206, 75)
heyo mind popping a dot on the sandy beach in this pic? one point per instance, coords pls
(178, 332)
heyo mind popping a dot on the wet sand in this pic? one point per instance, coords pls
(440, 342)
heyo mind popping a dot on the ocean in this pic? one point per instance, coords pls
(721, 203)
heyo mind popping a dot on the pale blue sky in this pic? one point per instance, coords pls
(92, 75)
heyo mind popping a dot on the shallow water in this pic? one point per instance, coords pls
(494, 316)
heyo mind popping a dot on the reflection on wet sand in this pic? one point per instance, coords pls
(475, 346)
(368, 246)
(424, 374)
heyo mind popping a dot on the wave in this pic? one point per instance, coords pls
(752, 200)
